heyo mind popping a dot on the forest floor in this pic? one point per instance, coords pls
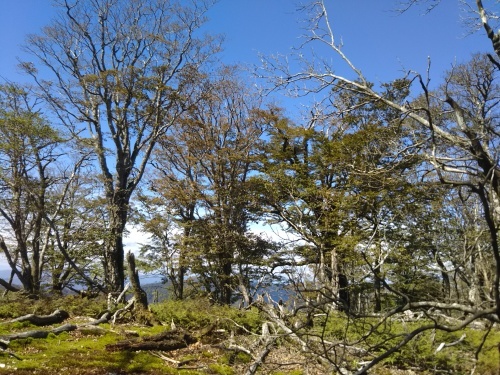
(218, 340)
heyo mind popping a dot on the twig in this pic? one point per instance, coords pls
(444, 345)
(126, 308)
(165, 358)
(11, 354)
(262, 356)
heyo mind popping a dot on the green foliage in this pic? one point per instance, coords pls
(242, 358)
(191, 314)
(420, 352)
(14, 305)
(199, 313)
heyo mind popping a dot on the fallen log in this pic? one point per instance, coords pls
(166, 341)
(56, 317)
(4, 344)
(103, 319)
(39, 334)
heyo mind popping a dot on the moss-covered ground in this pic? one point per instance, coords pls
(84, 351)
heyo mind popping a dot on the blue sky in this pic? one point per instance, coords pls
(374, 36)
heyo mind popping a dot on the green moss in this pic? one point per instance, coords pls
(80, 352)
(221, 369)
(14, 305)
(207, 354)
(19, 325)
(242, 358)
(85, 350)
(188, 358)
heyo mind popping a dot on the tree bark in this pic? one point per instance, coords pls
(40, 334)
(114, 257)
(8, 286)
(57, 316)
(141, 297)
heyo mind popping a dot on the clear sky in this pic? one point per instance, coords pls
(377, 39)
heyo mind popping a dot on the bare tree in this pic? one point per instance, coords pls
(114, 72)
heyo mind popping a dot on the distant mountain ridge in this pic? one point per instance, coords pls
(157, 291)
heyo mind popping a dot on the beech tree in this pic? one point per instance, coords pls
(39, 184)
(453, 131)
(28, 149)
(202, 181)
(77, 224)
(115, 72)
(339, 185)
(32, 180)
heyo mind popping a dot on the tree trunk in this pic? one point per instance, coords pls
(339, 283)
(226, 287)
(377, 286)
(166, 341)
(40, 334)
(182, 257)
(8, 286)
(141, 297)
(115, 254)
(244, 288)
(344, 295)
(182, 272)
